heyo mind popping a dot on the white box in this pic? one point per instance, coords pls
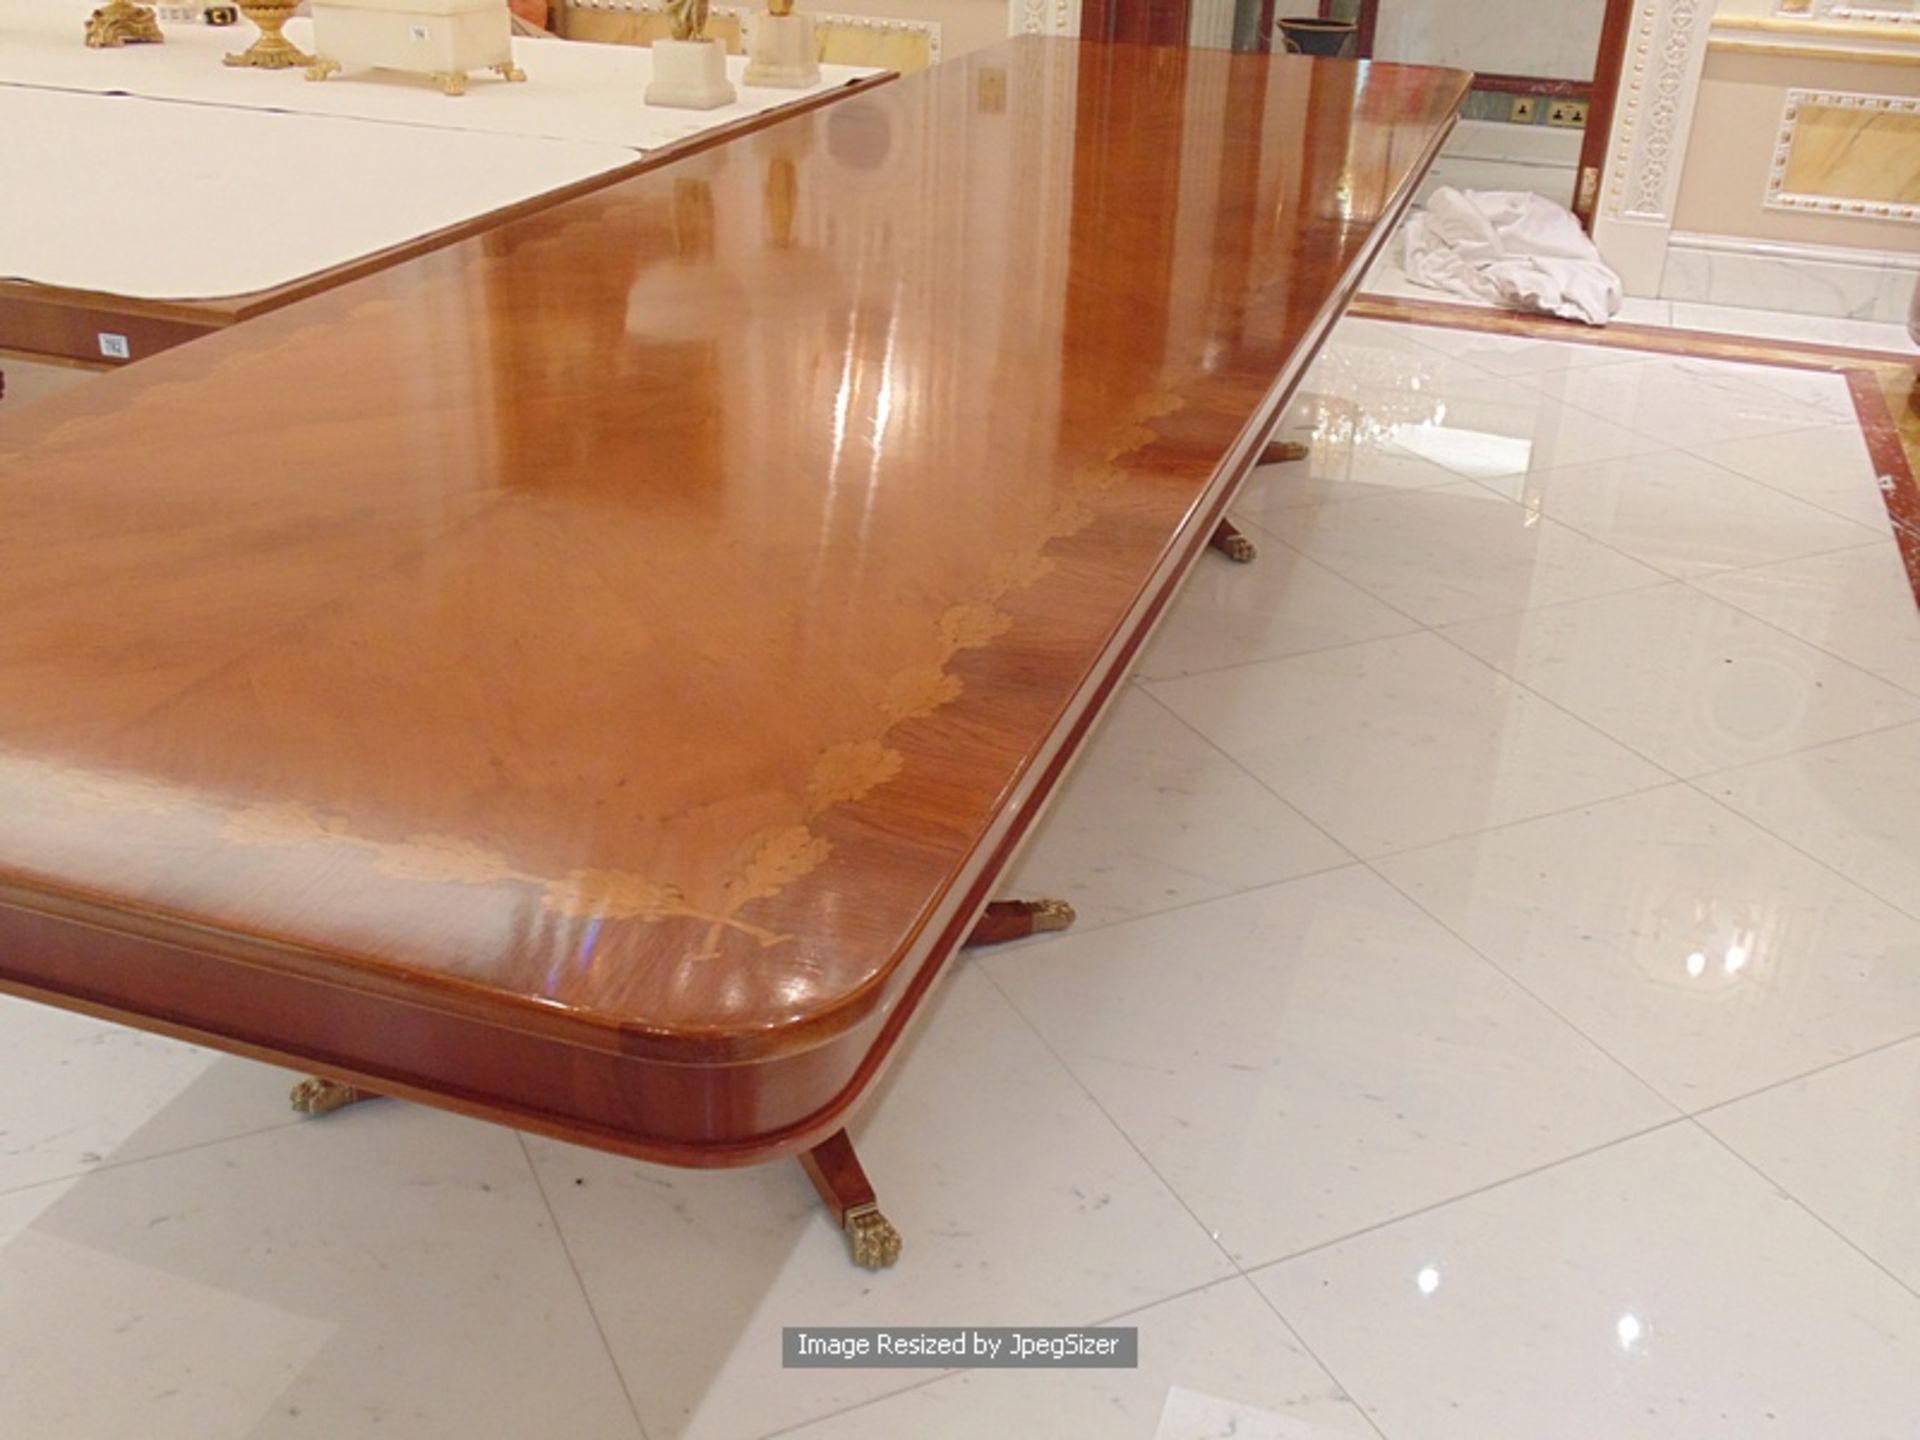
(443, 39)
(690, 75)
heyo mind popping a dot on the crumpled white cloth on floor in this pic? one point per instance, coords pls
(1510, 248)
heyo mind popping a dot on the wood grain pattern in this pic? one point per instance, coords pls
(590, 675)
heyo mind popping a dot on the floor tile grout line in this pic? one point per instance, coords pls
(1779, 396)
(1860, 671)
(1259, 784)
(1811, 1213)
(1695, 585)
(1871, 537)
(1531, 1172)
(1247, 1272)
(1364, 1411)
(1240, 1271)
(1414, 628)
(1679, 1112)
(74, 1177)
(1788, 841)
(1666, 782)
(1658, 577)
(1571, 714)
(1667, 779)
(1067, 1068)
(1822, 1068)
(586, 1296)
(1042, 941)
(1852, 425)
(1872, 542)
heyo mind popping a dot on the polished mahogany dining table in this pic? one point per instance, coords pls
(591, 676)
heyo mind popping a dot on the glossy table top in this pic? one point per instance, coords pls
(637, 618)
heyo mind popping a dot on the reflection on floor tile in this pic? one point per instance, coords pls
(1019, 1203)
(1510, 429)
(1658, 1289)
(1351, 456)
(1157, 817)
(1709, 957)
(1222, 1345)
(1456, 552)
(1845, 1143)
(1368, 1064)
(1686, 681)
(1682, 515)
(1854, 804)
(388, 1269)
(1402, 742)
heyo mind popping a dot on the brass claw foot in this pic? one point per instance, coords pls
(321, 68)
(317, 1095)
(122, 23)
(836, 1174)
(451, 82)
(871, 1239)
(510, 71)
(1005, 920)
(1228, 540)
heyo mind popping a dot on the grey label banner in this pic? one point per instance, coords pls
(958, 1347)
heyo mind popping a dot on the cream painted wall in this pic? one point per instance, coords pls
(1731, 149)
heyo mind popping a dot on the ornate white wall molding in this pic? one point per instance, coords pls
(1657, 92)
(1666, 48)
(1043, 17)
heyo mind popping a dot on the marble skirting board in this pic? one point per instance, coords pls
(1808, 280)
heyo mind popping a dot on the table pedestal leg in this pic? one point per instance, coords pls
(1228, 540)
(1005, 920)
(848, 1195)
(317, 1095)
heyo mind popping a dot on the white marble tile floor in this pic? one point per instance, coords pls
(1496, 1013)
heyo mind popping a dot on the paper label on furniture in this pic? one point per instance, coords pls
(115, 347)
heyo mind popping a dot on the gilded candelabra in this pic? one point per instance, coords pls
(272, 51)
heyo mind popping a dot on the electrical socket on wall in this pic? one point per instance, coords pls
(1520, 112)
(1567, 112)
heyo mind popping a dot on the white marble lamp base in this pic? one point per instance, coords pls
(690, 75)
(781, 52)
